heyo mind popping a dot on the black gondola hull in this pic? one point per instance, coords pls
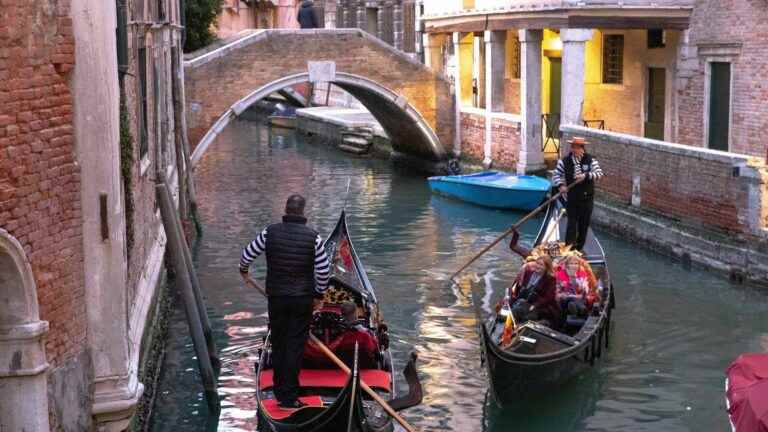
(514, 375)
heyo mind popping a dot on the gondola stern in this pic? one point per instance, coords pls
(415, 393)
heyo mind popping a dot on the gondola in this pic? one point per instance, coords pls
(540, 359)
(335, 400)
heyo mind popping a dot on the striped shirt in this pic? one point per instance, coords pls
(558, 178)
(322, 264)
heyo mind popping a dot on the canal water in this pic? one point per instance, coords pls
(675, 330)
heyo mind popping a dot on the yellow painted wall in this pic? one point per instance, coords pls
(623, 106)
(465, 67)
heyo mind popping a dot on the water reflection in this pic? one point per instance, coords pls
(675, 330)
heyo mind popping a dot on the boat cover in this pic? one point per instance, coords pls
(747, 393)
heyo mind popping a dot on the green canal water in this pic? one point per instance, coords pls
(675, 330)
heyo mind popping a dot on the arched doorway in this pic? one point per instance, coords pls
(23, 384)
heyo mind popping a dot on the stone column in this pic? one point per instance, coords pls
(572, 101)
(457, 93)
(433, 56)
(380, 21)
(397, 25)
(344, 16)
(116, 388)
(495, 64)
(478, 71)
(531, 157)
(361, 16)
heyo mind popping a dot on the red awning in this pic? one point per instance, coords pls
(747, 393)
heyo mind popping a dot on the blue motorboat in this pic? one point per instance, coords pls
(494, 189)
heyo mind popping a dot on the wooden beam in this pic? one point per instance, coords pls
(607, 18)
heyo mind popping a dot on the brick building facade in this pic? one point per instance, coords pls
(73, 308)
(670, 92)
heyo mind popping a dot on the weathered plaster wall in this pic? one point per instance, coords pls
(623, 106)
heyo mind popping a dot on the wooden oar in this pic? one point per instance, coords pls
(514, 227)
(344, 367)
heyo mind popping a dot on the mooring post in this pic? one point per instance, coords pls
(213, 352)
(184, 285)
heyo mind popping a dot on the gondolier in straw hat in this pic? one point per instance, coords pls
(297, 272)
(576, 165)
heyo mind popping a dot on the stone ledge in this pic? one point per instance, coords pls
(741, 259)
(663, 146)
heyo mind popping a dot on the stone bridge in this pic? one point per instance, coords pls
(412, 103)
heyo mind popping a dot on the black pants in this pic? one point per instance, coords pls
(579, 215)
(289, 320)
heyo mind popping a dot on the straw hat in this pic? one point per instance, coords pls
(577, 141)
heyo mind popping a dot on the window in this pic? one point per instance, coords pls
(144, 139)
(656, 38)
(719, 105)
(613, 59)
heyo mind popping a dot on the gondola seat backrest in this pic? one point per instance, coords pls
(344, 347)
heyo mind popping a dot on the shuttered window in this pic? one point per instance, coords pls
(613, 59)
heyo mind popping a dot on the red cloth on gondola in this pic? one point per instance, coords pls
(331, 378)
(344, 347)
(747, 393)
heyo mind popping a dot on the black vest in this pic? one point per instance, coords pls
(291, 258)
(585, 190)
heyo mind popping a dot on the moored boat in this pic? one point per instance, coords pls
(284, 117)
(334, 399)
(493, 189)
(746, 393)
(538, 358)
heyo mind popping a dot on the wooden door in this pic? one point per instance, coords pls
(719, 105)
(654, 125)
(555, 83)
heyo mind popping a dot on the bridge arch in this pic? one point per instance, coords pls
(389, 108)
(403, 94)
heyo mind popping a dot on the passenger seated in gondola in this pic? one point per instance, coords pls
(355, 332)
(576, 286)
(532, 297)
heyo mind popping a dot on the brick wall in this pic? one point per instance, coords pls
(505, 139)
(738, 26)
(719, 190)
(39, 180)
(505, 142)
(472, 136)
(512, 96)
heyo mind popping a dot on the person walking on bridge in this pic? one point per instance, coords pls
(297, 272)
(307, 15)
(578, 164)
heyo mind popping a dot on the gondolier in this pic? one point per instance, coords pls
(576, 165)
(297, 273)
